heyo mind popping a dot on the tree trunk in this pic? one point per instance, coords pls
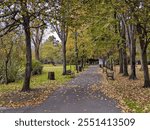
(6, 64)
(37, 39)
(125, 62)
(133, 61)
(143, 46)
(6, 71)
(64, 36)
(132, 47)
(120, 61)
(141, 68)
(37, 54)
(26, 85)
(103, 62)
(64, 56)
(145, 70)
(76, 51)
(82, 61)
(124, 53)
(111, 64)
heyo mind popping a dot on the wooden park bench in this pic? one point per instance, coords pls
(104, 70)
(69, 72)
(110, 75)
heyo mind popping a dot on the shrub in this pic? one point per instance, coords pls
(20, 74)
(12, 72)
(36, 67)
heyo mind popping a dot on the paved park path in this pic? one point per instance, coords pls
(75, 98)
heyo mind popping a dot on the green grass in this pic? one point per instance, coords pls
(40, 80)
(134, 106)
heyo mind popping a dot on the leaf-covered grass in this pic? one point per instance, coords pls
(10, 95)
(130, 94)
(133, 105)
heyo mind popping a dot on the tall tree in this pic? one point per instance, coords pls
(11, 57)
(59, 22)
(144, 39)
(7, 46)
(138, 20)
(132, 49)
(130, 39)
(124, 44)
(37, 36)
(22, 12)
(140, 15)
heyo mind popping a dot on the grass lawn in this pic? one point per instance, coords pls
(39, 80)
(11, 96)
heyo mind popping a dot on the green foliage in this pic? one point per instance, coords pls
(51, 53)
(12, 71)
(11, 60)
(36, 67)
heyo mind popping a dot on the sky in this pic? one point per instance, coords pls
(48, 33)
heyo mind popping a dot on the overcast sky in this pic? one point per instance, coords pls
(48, 33)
